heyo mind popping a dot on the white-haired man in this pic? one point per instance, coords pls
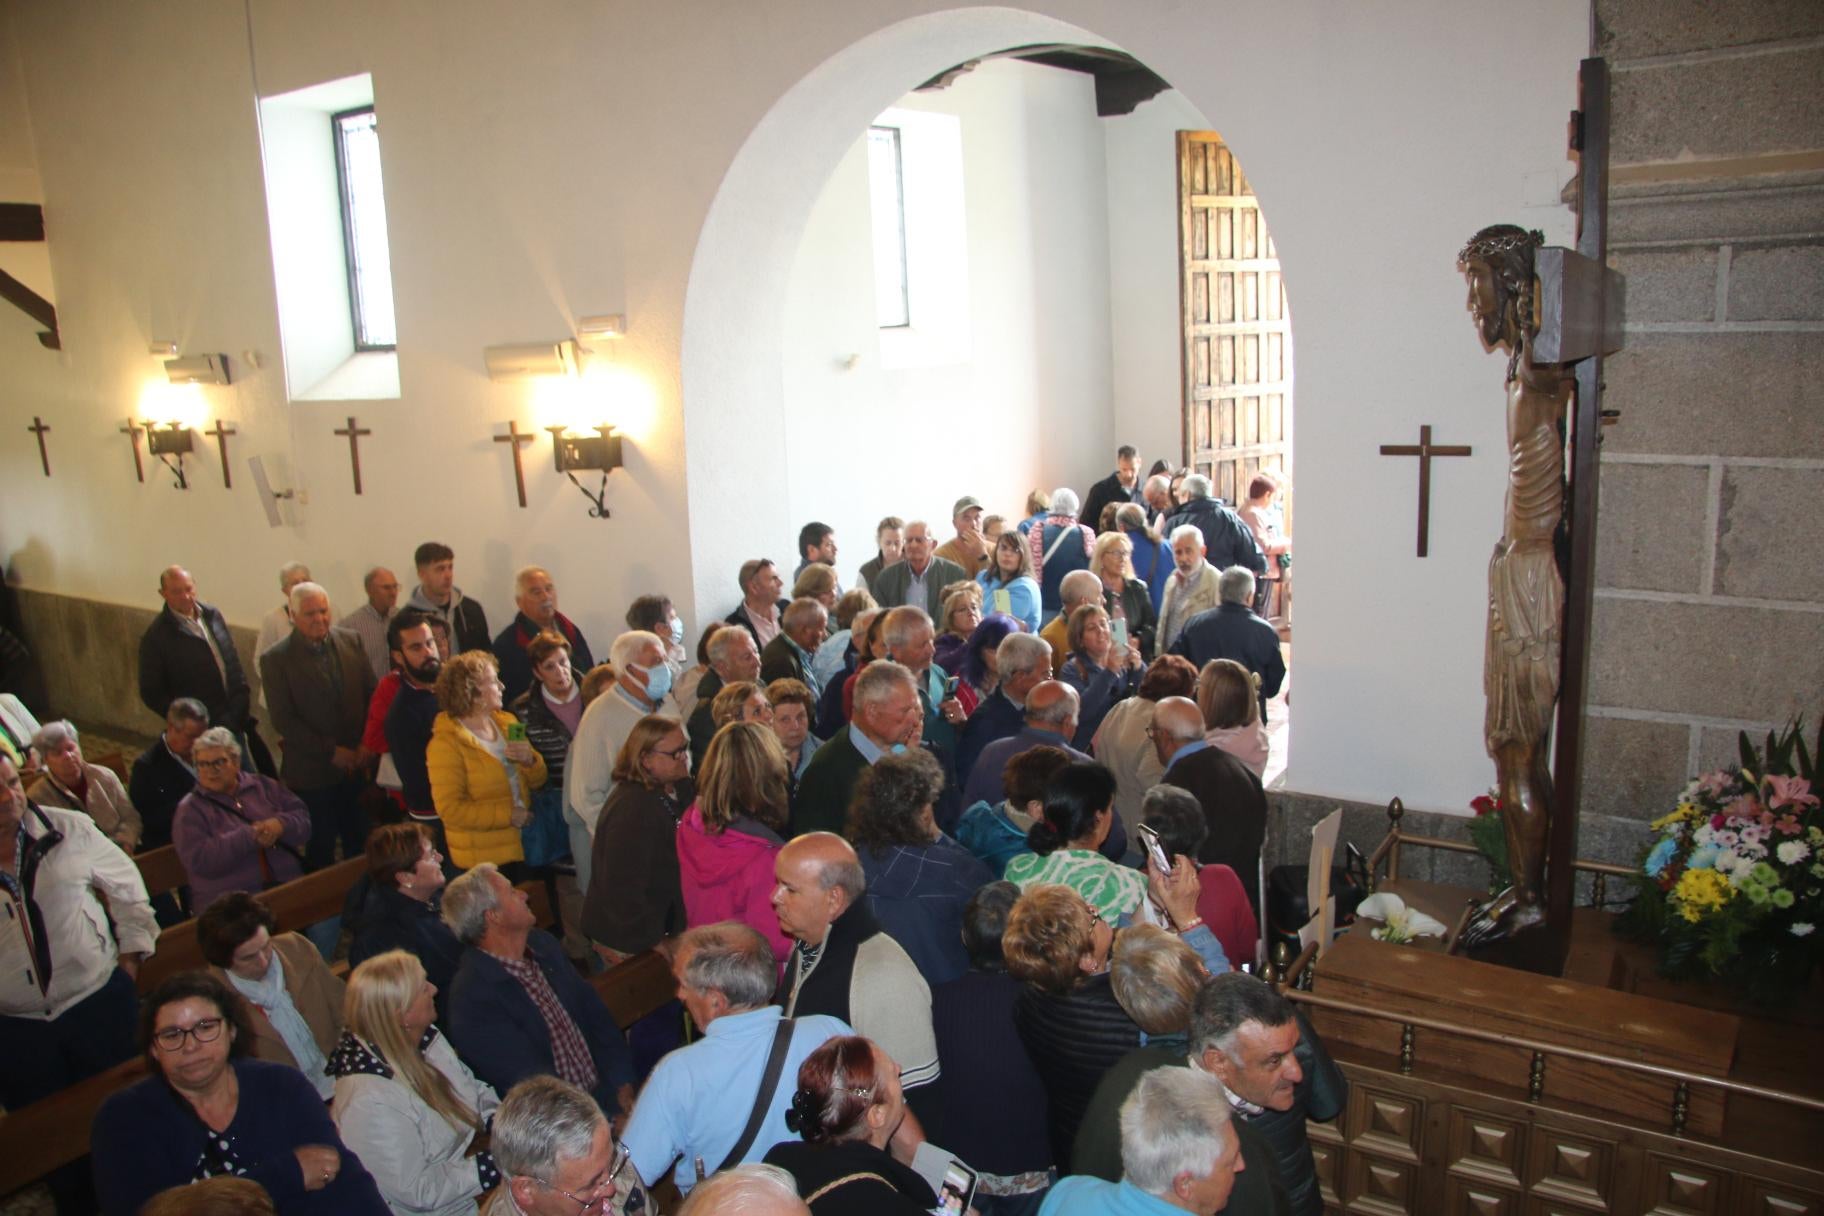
(1178, 1154)
(889, 716)
(1193, 586)
(1022, 660)
(920, 578)
(277, 623)
(318, 683)
(1059, 545)
(1227, 539)
(1232, 630)
(789, 656)
(641, 680)
(699, 1103)
(746, 1190)
(733, 656)
(535, 595)
(369, 621)
(554, 1150)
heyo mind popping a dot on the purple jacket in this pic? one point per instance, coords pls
(213, 834)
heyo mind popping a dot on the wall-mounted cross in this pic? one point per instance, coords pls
(133, 431)
(1425, 449)
(220, 434)
(44, 455)
(518, 441)
(354, 434)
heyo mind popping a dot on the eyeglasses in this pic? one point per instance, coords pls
(596, 1201)
(212, 765)
(171, 1038)
(671, 753)
(1095, 917)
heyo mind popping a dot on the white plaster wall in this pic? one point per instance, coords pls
(555, 158)
(1147, 355)
(1028, 403)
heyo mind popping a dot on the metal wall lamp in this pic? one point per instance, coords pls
(587, 453)
(173, 439)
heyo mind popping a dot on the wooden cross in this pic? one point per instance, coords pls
(133, 430)
(354, 434)
(44, 456)
(220, 434)
(518, 441)
(1425, 449)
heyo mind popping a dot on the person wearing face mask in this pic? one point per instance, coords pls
(641, 679)
(535, 593)
(655, 615)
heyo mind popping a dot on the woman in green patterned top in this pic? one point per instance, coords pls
(1079, 811)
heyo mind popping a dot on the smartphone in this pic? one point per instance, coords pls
(1118, 628)
(1003, 602)
(516, 732)
(957, 1191)
(950, 687)
(1154, 849)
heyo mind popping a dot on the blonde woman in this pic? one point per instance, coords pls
(1228, 697)
(481, 781)
(728, 839)
(1125, 597)
(417, 1113)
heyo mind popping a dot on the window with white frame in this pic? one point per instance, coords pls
(887, 207)
(370, 276)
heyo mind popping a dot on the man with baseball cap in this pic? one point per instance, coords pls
(968, 548)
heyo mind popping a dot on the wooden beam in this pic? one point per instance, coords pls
(21, 222)
(28, 301)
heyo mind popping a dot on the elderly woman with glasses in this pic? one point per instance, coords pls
(209, 1108)
(636, 899)
(73, 783)
(237, 831)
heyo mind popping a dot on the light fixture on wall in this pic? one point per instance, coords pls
(598, 452)
(171, 440)
(197, 369)
(160, 349)
(527, 360)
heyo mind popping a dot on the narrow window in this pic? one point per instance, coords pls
(887, 195)
(370, 276)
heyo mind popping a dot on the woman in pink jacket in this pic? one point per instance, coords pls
(728, 838)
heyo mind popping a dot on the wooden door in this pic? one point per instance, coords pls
(1237, 333)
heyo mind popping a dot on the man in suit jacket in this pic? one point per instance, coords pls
(518, 1008)
(920, 579)
(1234, 804)
(1231, 630)
(788, 656)
(187, 651)
(318, 683)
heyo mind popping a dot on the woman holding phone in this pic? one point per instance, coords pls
(481, 778)
(1125, 597)
(1007, 583)
(1102, 670)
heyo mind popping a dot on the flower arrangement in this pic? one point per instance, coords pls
(1733, 885)
(1488, 832)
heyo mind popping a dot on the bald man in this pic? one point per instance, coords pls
(187, 651)
(843, 964)
(1234, 804)
(1051, 720)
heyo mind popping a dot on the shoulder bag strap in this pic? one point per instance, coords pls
(769, 1085)
(1056, 544)
(827, 1187)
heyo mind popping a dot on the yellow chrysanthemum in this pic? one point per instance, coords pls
(1700, 891)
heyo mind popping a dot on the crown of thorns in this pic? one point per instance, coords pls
(1488, 246)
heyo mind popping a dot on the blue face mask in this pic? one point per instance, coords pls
(658, 681)
(898, 749)
(677, 631)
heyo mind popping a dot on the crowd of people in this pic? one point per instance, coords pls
(967, 855)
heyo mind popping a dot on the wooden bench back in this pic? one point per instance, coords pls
(160, 869)
(297, 904)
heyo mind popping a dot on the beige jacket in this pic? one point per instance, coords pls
(107, 803)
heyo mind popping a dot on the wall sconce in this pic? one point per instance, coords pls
(594, 332)
(173, 439)
(601, 451)
(525, 360)
(160, 349)
(197, 369)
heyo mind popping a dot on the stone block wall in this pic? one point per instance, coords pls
(1710, 591)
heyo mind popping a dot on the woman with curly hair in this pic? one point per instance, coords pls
(481, 781)
(729, 837)
(847, 1107)
(919, 880)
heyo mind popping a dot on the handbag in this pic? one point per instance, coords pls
(546, 840)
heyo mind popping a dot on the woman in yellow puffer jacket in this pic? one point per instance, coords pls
(481, 782)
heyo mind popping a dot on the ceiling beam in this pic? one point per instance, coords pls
(32, 305)
(21, 222)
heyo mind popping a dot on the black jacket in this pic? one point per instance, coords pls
(739, 617)
(1235, 807)
(701, 727)
(1108, 490)
(779, 661)
(1233, 631)
(516, 669)
(1321, 1096)
(156, 785)
(1227, 540)
(386, 920)
(174, 662)
(1073, 1039)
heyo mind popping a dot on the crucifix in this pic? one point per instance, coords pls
(1425, 449)
(132, 431)
(518, 441)
(44, 456)
(354, 434)
(220, 434)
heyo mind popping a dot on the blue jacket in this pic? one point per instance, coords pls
(1022, 598)
(917, 893)
(985, 783)
(499, 1033)
(1233, 631)
(1152, 565)
(147, 1139)
(986, 832)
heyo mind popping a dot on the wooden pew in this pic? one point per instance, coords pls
(160, 869)
(635, 987)
(296, 904)
(54, 1131)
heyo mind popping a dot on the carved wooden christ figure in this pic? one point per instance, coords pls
(1525, 585)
